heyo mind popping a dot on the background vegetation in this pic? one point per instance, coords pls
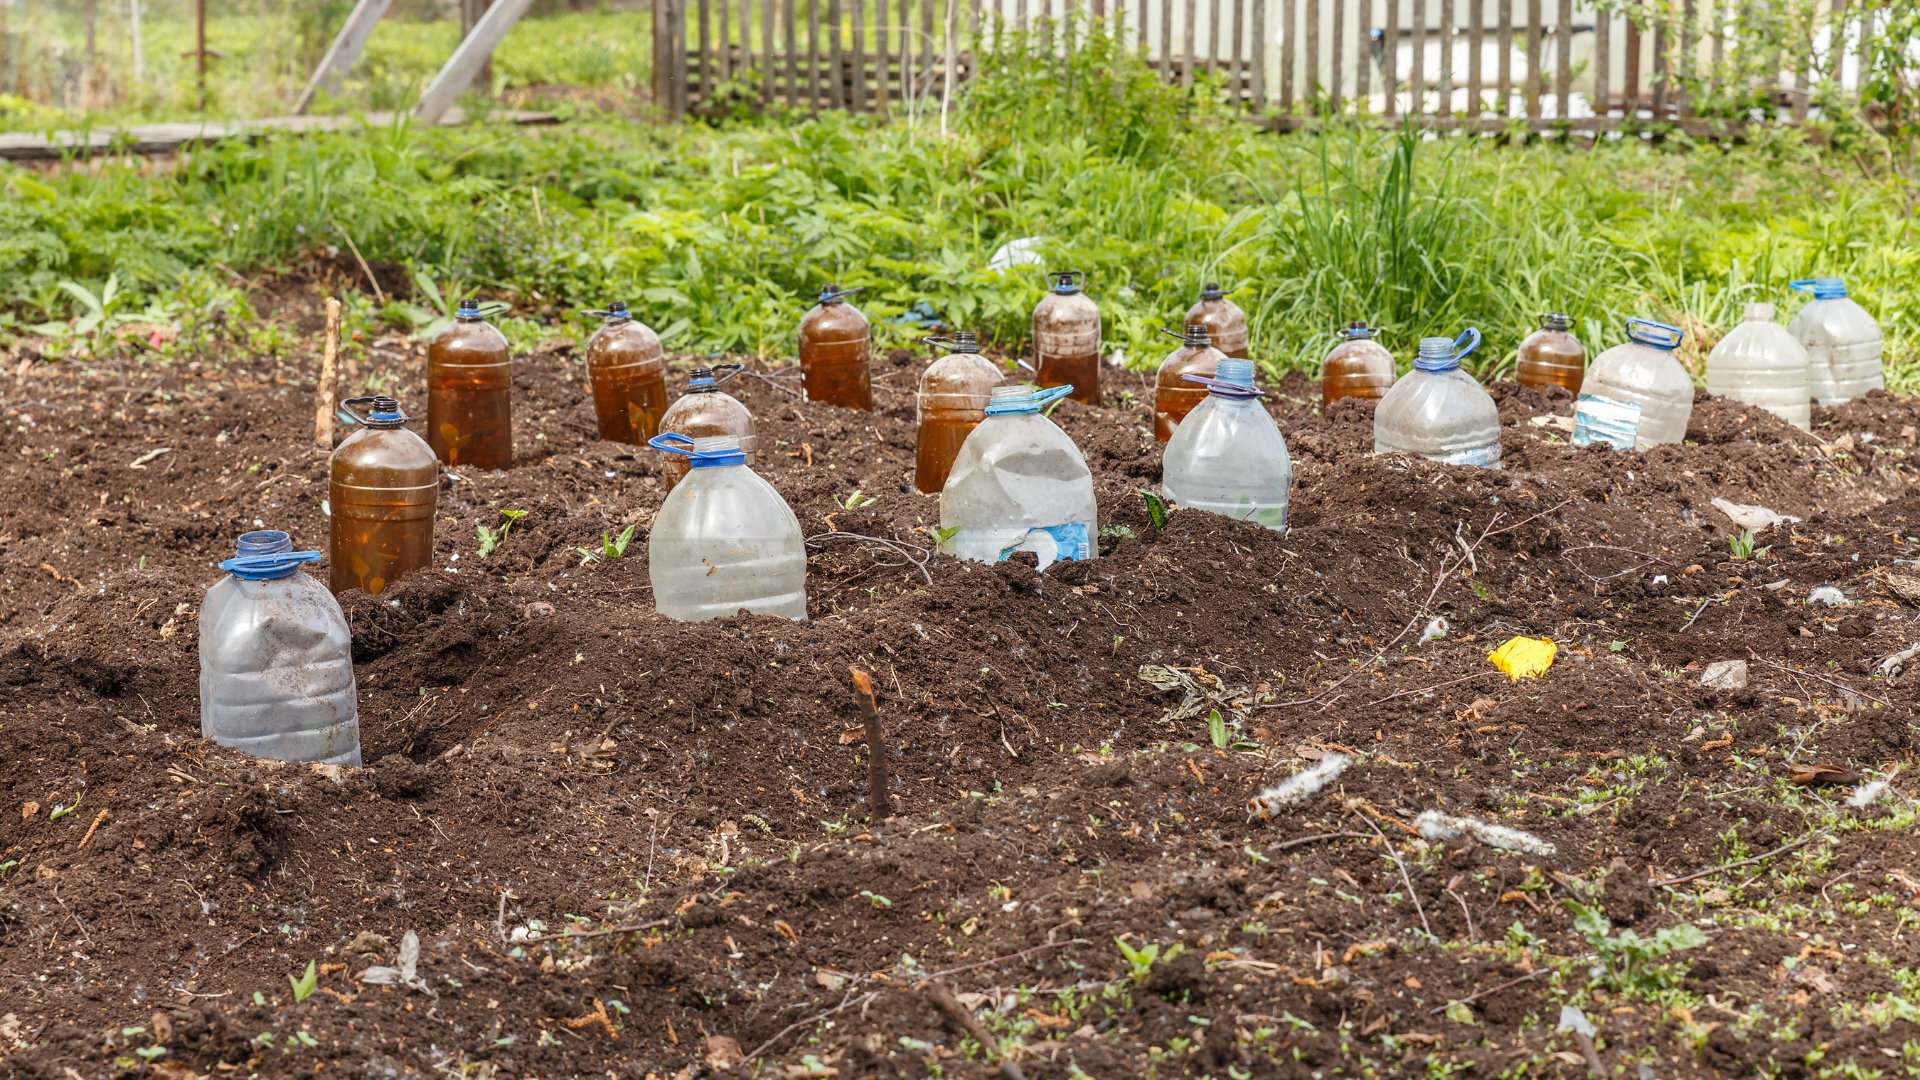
(719, 234)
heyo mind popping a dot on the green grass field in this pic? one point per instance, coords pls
(720, 235)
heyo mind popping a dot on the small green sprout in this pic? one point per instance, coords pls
(1156, 508)
(611, 547)
(854, 501)
(491, 539)
(876, 899)
(1217, 730)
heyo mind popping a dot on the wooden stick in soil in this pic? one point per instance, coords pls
(879, 806)
(943, 999)
(329, 378)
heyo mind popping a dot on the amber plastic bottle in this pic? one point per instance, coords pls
(1173, 396)
(1226, 324)
(705, 409)
(954, 391)
(629, 381)
(1357, 367)
(470, 393)
(1066, 338)
(836, 350)
(1551, 356)
(383, 486)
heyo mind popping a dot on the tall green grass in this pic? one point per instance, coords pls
(720, 235)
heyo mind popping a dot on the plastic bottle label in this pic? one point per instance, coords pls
(1054, 543)
(1606, 420)
(1481, 457)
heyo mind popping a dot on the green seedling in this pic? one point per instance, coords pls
(304, 986)
(1140, 961)
(941, 536)
(1217, 730)
(1629, 963)
(1741, 546)
(611, 547)
(854, 501)
(1156, 508)
(875, 899)
(1618, 646)
(490, 539)
(151, 1052)
(62, 811)
(1117, 639)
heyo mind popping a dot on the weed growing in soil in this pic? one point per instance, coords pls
(1630, 964)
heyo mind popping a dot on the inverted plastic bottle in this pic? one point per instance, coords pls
(276, 659)
(724, 539)
(1552, 356)
(1439, 411)
(1357, 367)
(706, 410)
(383, 487)
(1842, 343)
(470, 392)
(1228, 457)
(1173, 395)
(1066, 337)
(1760, 363)
(954, 391)
(629, 380)
(1226, 324)
(1644, 369)
(836, 352)
(1020, 484)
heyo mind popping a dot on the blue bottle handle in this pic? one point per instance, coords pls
(1459, 353)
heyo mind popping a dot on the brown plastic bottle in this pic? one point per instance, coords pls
(629, 381)
(954, 391)
(705, 409)
(1066, 338)
(1552, 357)
(1357, 367)
(1174, 397)
(382, 489)
(470, 393)
(836, 349)
(1226, 324)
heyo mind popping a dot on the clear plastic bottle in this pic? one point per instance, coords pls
(1173, 395)
(1020, 484)
(1643, 369)
(1438, 411)
(383, 487)
(1066, 337)
(1226, 324)
(276, 659)
(705, 410)
(470, 392)
(724, 539)
(954, 391)
(1760, 363)
(1551, 356)
(836, 352)
(628, 378)
(1228, 456)
(1842, 343)
(1357, 367)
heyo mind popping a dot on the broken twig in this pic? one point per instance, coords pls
(1781, 850)
(878, 804)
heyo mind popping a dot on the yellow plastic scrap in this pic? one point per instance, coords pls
(1524, 657)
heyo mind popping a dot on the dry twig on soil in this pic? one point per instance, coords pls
(1782, 849)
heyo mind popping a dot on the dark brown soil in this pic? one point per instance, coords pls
(583, 809)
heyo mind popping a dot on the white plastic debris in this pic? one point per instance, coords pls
(1828, 595)
(1435, 825)
(1575, 1021)
(406, 974)
(1751, 517)
(1725, 675)
(1659, 579)
(1021, 252)
(1864, 795)
(1299, 787)
(1436, 629)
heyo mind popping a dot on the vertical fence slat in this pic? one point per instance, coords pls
(1602, 63)
(1239, 80)
(1289, 42)
(904, 30)
(835, 88)
(1660, 66)
(790, 17)
(859, 71)
(1863, 35)
(706, 51)
(723, 34)
(1533, 59)
(925, 66)
(1630, 84)
(813, 56)
(1336, 44)
(1563, 60)
(769, 71)
(1146, 38)
(1503, 33)
(1446, 58)
(1687, 63)
(1476, 41)
(1417, 75)
(1363, 56)
(1390, 59)
(1259, 52)
(1213, 36)
(1310, 85)
(1191, 20)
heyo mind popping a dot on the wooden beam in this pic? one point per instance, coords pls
(467, 60)
(345, 49)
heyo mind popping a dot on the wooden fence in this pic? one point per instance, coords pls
(1482, 64)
